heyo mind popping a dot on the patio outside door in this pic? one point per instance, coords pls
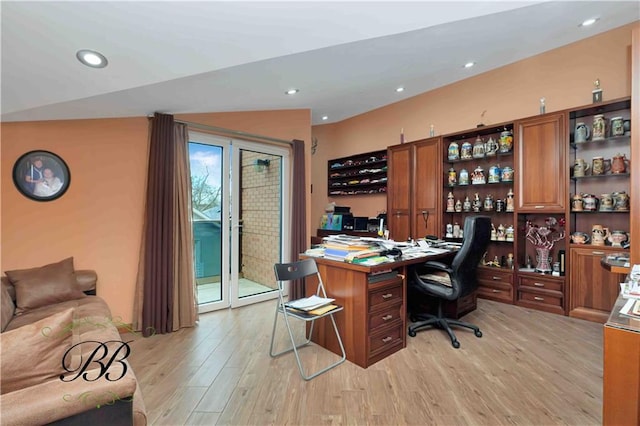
(238, 214)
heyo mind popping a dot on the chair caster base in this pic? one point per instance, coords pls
(478, 333)
(412, 333)
(455, 344)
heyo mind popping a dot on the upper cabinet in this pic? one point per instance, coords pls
(413, 201)
(542, 158)
(358, 174)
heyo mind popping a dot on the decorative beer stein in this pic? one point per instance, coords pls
(577, 203)
(580, 167)
(579, 238)
(581, 133)
(458, 206)
(456, 230)
(476, 204)
(501, 233)
(599, 127)
(598, 166)
(606, 202)
(463, 179)
(599, 234)
(619, 163)
(449, 232)
(617, 126)
(510, 201)
(488, 203)
(491, 147)
(450, 202)
(478, 148)
(452, 177)
(506, 174)
(510, 233)
(617, 237)
(477, 177)
(626, 124)
(467, 151)
(499, 205)
(506, 141)
(621, 201)
(494, 174)
(466, 204)
(590, 202)
(453, 151)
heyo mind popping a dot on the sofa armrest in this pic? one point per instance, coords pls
(55, 400)
(87, 279)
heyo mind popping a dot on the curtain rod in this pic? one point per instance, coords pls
(227, 132)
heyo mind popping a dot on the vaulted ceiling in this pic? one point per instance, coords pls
(345, 58)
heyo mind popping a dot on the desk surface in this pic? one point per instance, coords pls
(383, 266)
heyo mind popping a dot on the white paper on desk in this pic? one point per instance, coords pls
(627, 306)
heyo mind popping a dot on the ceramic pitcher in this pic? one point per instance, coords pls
(619, 163)
(580, 167)
(581, 133)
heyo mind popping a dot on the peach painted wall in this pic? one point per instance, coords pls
(99, 220)
(563, 76)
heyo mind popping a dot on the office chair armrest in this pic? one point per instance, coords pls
(432, 264)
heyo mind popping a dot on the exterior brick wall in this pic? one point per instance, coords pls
(260, 206)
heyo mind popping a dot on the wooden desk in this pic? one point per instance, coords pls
(621, 384)
(373, 324)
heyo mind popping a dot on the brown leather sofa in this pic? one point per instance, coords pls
(63, 360)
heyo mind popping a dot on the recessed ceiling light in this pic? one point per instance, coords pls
(588, 22)
(400, 89)
(469, 64)
(292, 91)
(325, 117)
(91, 58)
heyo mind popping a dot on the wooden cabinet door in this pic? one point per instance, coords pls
(426, 190)
(399, 191)
(542, 175)
(592, 289)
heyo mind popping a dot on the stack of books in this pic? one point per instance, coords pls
(338, 247)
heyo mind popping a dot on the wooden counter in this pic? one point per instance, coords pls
(621, 382)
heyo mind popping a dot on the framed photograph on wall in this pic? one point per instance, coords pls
(41, 175)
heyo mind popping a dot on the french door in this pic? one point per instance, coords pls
(239, 211)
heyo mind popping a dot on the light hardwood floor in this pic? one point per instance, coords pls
(529, 368)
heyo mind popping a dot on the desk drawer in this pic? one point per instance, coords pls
(487, 276)
(385, 339)
(386, 296)
(541, 298)
(496, 291)
(384, 318)
(541, 283)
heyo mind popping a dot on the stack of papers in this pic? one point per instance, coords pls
(309, 303)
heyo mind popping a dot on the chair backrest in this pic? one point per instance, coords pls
(477, 235)
(295, 270)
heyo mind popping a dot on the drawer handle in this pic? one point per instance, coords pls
(496, 291)
(387, 296)
(538, 284)
(387, 317)
(540, 299)
(539, 207)
(387, 339)
(599, 253)
(496, 278)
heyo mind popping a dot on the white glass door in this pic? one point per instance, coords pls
(239, 212)
(259, 214)
(209, 159)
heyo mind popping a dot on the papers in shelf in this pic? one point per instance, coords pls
(309, 303)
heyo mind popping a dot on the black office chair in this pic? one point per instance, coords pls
(450, 282)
